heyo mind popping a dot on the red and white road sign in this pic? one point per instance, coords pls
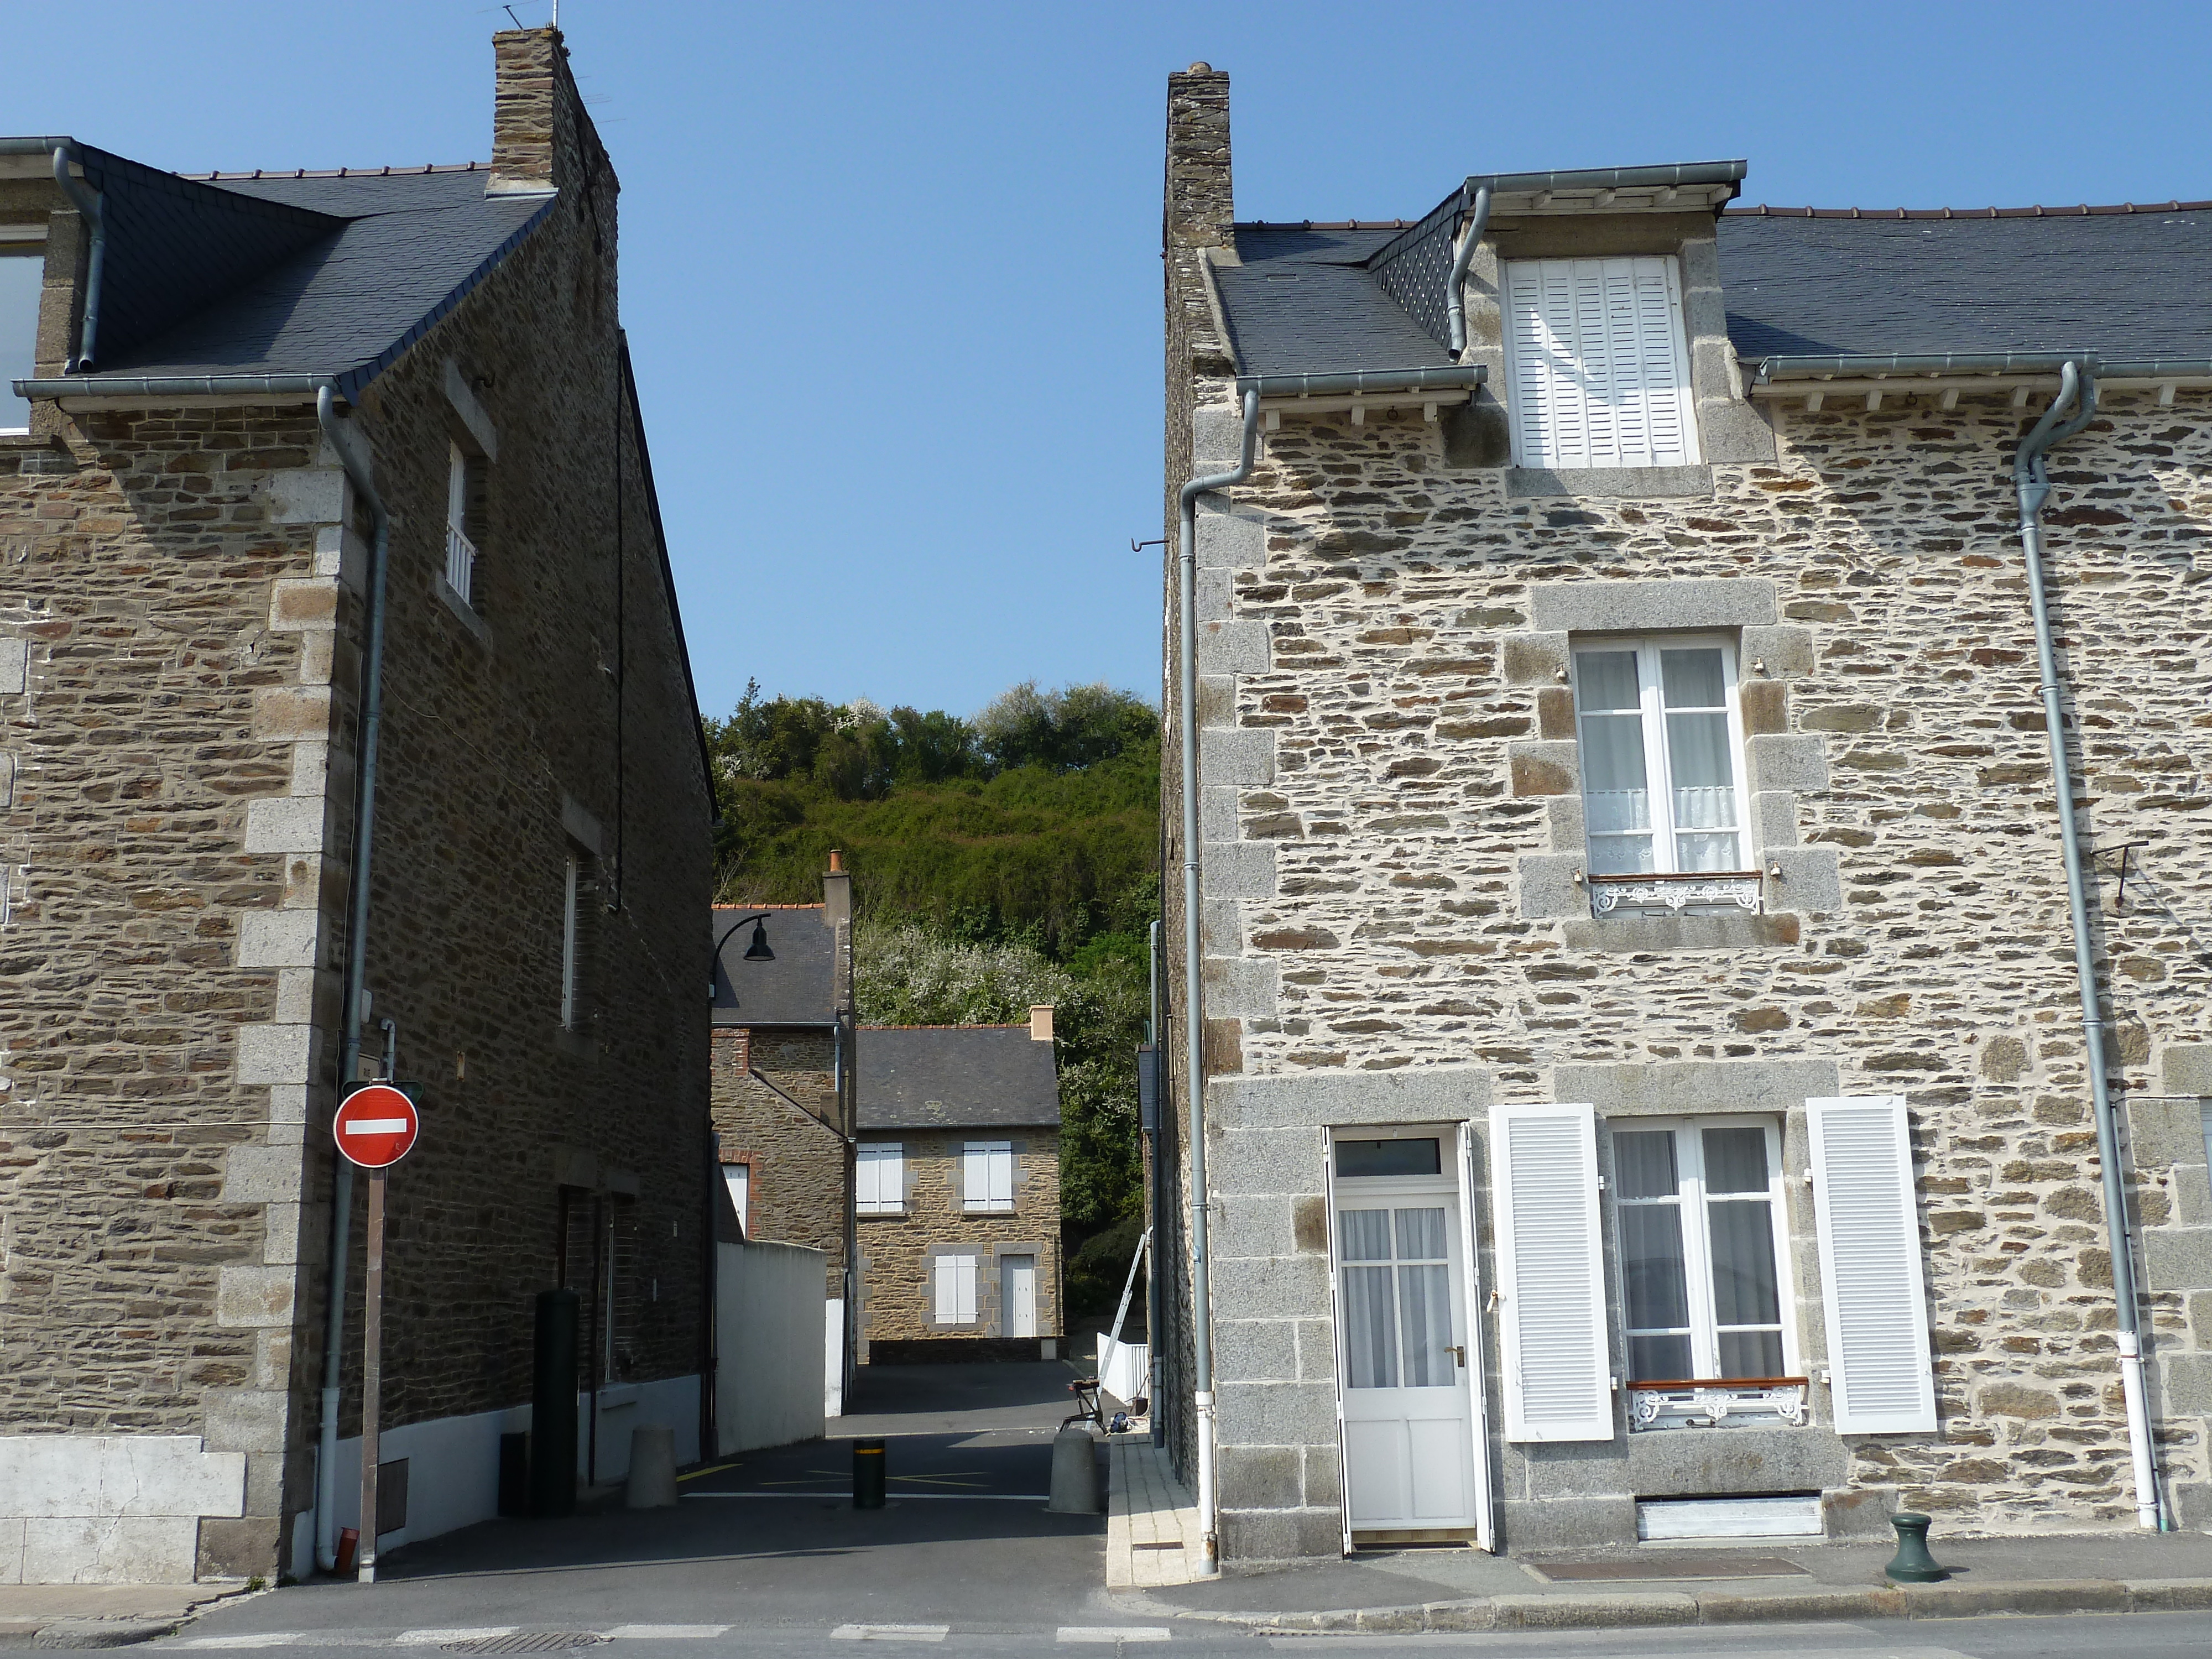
(376, 1125)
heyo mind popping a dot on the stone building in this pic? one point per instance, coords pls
(1646, 1087)
(958, 1190)
(282, 440)
(783, 1081)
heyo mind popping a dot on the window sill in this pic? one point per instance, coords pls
(1618, 482)
(1627, 935)
(899, 1214)
(463, 610)
(987, 1209)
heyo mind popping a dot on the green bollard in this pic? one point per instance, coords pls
(1912, 1565)
(867, 1474)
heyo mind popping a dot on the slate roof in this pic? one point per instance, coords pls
(797, 987)
(329, 274)
(955, 1077)
(2125, 282)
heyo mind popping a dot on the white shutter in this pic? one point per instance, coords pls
(879, 1179)
(1553, 1325)
(864, 1179)
(967, 1278)
(1598, 371)
(1883, 1378)
(976, 1174)
(1002, 1175)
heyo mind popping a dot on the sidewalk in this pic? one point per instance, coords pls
(99, 1615)
(1724, 1583)
(1152, 1534)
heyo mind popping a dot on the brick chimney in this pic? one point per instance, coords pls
(1201, 207)
(541, 138)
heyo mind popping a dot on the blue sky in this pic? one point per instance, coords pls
(891, 272)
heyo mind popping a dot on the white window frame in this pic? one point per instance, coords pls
(987, 1177)
(1697, 1242)
(1658, 766)
(568, 919)
(30, 249)
(876, 1163)
(958, 1273)
(1522, 283)
(460, 551)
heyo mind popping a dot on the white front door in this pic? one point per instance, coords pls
(1017, 1285)
(1402, 1342)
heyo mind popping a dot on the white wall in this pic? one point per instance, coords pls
(93, 1509)
(770, 1325)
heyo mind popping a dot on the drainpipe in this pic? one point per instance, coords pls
(2077, 386)
(1193, 1025)
(1456, 287)
(86, 202)
(364, 826)
(1155, 1321)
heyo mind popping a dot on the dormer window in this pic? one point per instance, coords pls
(1598, 371)
(23, 274)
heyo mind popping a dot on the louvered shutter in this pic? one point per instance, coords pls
(1002, 1175)
(1551, 1273)
(1881, 1374)
(1598, 371)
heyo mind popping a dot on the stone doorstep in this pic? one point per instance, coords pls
(1661, 1608)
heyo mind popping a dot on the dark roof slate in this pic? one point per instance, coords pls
(955, 1077)
(796, 988)
(2125, 283)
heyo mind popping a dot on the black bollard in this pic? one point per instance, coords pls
(867, 1474)
(553, 1407)
(1912, 1565)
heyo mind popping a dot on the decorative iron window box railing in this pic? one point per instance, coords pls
(1700, 891)
(1743, 1402)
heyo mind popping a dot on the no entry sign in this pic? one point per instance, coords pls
(376, 1125)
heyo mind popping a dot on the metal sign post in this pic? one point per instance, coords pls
(376, 1125)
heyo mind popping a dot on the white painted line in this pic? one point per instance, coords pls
(438, 1638)
(1113, 1632)
(377, 1126)
(891, 1632)
(897, 1498)
(268, 1638)
(664, 1633)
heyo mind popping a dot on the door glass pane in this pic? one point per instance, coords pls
(1370, 1353)
(1735, 1160)
(1702, 774)
(1424, 1320)
(1364, 1235)
(1643, 1164)
(1421, 1235)
(1613, 773)
(1751, 1353)
(1659, 1358)
(1744, 1288)
(1654, 1280)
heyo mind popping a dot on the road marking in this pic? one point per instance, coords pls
(904, 1497)
(891, 1632)
(272, 1639)
(664, 1633)
(714, 1469)
(1113, 1632)
(438, 1638)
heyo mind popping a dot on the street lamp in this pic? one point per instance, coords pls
(756, 951)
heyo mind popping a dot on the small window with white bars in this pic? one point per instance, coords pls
(1597, 368)
(572, 917)
(461, 491)
(986, 1176)
(879, 1178)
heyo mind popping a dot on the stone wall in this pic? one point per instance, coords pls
(188, 583)
(1389, 795)
(897, 1251)
(775, 1106)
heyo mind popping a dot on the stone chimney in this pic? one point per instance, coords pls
(1200, 206)
(541, 138)
(1041, 1022)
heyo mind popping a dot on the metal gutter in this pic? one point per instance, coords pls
(356, 966)
(1459, 376)
(1454, 285)
(1193, 1021)
(2077, 389)
(304, 387)
(1687, 173)
(1863, 365)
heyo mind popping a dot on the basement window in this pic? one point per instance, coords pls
(22, 274)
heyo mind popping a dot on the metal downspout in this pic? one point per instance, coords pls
(87, 204)
(1193, 1022)
(1455, 285)
(364, 826)
(2078, 385)
(1155, 1322)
